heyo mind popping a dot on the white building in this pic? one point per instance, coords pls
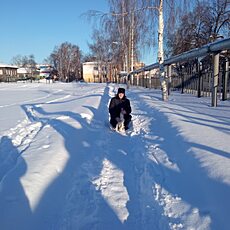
(44, 70)
(23, 73)
(94, 72)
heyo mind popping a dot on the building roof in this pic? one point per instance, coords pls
(23, 70)
(91, 63)
(8, 66)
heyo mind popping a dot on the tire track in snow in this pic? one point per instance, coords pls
(32, 100)
(110, 183)
(174, 212)
(83, 203)
(124, 180)
(155, 177)
(150, 210)
(107, 180)
(21, 137)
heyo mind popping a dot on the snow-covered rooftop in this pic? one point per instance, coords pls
(7, 66)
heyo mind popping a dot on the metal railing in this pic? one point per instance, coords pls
(202, 71)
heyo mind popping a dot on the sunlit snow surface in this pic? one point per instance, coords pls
(61, 167)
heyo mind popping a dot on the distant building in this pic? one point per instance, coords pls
(138, 65)
(23, 73)
(103, 72)
(8, 73)
(94, 72)
(45, 70)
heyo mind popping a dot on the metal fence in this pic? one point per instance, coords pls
(203, 72)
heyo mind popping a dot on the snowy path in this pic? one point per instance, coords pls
(62, 168)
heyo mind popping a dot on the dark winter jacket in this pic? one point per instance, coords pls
(116, 104)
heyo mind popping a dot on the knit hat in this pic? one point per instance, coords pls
(121, 90)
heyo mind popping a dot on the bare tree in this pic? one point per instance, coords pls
(17, 60)
(67, 60)
(122, 24)
(129, 18)
(204, 24)
(89, 57)
(152, 11)
(101, 46)
(135, 21)
(24, 61)
(27, 62)
(219, 19)
(218, 15)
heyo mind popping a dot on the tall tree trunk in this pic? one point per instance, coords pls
(125, 64)
(132, 42)
(161, 53)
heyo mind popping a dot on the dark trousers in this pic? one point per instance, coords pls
(127, 118)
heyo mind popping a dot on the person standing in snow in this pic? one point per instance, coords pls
(120, 105)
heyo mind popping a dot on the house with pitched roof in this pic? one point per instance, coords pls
(8, 73)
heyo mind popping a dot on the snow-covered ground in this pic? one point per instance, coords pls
(61, 167)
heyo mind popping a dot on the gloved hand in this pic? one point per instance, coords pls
(123, 111)
(118, 119)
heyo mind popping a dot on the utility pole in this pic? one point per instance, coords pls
(216, 57)
(225, 79)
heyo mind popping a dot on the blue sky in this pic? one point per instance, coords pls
(36, 27)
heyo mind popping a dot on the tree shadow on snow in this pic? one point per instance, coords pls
(191, 182)
(71, 198)
(12, 194)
